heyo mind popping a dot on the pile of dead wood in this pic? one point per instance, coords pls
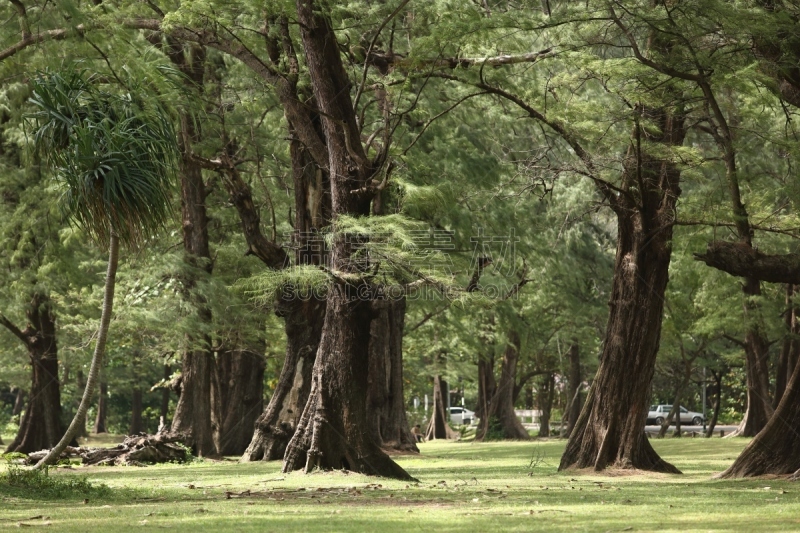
(135, 450)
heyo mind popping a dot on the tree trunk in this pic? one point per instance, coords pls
(776, 449)
(438, 427)
(790, 347)
(756, 348)
(500, 419)
(165, 395)
(610, 428)
(303, 323)
(333, 431)
(194, 411)
(575, 384)
(97, 356)
(387, 411)
(137, 424)
(102, 402)
(41, 426)
(487, 387)
(546, 393)
(19, 402)
(239, 391)
(717, 404)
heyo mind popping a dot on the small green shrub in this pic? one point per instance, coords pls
(25, 482)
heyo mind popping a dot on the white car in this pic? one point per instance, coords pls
(460, 415)
(659, 413)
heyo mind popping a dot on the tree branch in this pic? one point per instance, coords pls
(14, 329)
(740, 259)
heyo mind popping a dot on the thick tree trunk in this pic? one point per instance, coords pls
(756, 348)
(333, 431)
(546, 393)
(790, 347)
(487, 387)
(574, 391)
(303, 322)
(102, 408)
(194, 411)
(41, 426)
(776, 449)
(499, 420)
(438, 427)
(610, 429)
(137, 423)
(387, 411)
(239, 391)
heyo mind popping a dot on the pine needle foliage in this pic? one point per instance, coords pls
(113, 152)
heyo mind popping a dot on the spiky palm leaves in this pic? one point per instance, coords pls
(114, 154)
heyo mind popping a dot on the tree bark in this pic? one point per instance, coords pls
(41, 426)
(575, 384)
(717, 403)
(499, 420)
(741, 259)
(438, 427)
(387, 411)
(776, 449)
(102, 402)
(333, 431)
(239, 391)
(756, 348)
(193, 413)
(303, 324)
(790, 347)
(610, 428)
(546, 393)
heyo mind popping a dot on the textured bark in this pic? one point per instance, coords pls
(546, 393)
(80, 382)
(102, 408)
(499, 419)
(756, 348)
(610, 429)
(41, 426)
(776, 449)
(387, 411)
(790, 349)
(303, 323)
(193, 413)
(741, 259)
(574, 391)
(239, 393)
(438, 426)
(333, 431)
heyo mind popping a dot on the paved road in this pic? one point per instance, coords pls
(699, 429)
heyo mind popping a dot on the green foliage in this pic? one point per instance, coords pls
(20, 482)
(114, 154)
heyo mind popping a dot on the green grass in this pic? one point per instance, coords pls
(463, 487)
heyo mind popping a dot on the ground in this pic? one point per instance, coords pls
(462, 487)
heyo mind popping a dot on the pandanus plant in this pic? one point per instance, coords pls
(114, 154)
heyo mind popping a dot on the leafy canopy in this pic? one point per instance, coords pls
(114, 153)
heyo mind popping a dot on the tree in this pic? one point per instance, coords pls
(114, 155)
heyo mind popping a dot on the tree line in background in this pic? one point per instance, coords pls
(583, 208)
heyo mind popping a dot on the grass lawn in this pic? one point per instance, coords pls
(463, 487)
